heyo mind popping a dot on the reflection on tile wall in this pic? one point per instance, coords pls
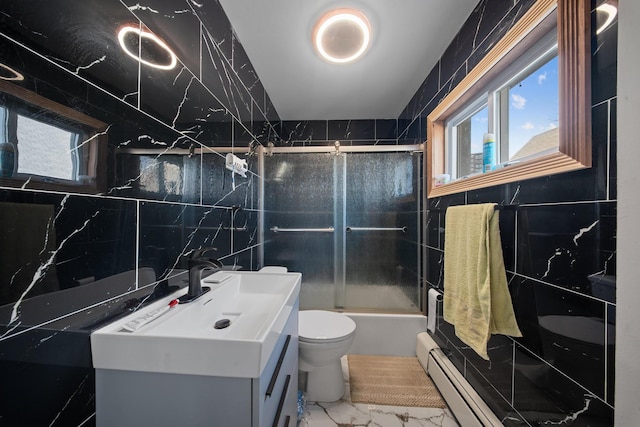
(559, 238)
(74, 261)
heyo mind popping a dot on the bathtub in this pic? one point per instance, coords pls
(386, 334)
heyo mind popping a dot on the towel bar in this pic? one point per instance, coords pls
(403, 229)
(277, 229)
(497, 207)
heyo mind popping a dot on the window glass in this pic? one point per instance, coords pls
(469, 134)
(533, 113)
(49, 146)
(55, 158)
(520, 108)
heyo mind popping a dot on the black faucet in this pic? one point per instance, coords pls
(197, 263)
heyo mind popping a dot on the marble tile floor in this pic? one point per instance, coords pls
(345, 413)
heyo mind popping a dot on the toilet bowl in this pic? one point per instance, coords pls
(324, 337)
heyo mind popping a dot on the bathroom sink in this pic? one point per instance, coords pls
(194, 338)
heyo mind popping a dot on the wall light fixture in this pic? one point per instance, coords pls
(145, 43)
(610, 11)
(8, 73)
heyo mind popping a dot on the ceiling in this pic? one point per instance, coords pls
(408, 38)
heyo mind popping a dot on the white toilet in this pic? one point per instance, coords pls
(324, 337)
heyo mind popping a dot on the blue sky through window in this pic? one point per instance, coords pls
(533, 109)
(533, 105)
(479, 126)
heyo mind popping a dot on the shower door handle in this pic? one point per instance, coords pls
(277, 229)
(349, 229)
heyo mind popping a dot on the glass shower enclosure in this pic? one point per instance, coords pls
(349, 221)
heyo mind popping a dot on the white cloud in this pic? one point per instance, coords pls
(542, 78)
(551, 126)
(528, 126)
(518, 101)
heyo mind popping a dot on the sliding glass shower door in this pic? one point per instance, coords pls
(349, 222)
(299, 221)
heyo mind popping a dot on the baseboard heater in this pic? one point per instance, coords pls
(465, 403)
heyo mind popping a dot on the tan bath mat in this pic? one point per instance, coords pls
(391, 380)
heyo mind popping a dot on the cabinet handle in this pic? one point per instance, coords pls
(282, 399)
(286, 421)
(274, 377)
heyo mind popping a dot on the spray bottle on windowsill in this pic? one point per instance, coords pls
(488, 152)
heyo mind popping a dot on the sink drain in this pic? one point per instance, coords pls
(222, 323)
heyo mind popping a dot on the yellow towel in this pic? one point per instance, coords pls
(476, 295)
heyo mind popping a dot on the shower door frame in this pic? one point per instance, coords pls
(340, 267)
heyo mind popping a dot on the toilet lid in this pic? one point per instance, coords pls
(324, 325)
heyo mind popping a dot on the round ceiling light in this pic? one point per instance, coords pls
(342, 35)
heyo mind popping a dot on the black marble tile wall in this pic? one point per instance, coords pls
(75, 259)
(348, 132)
(558, 238)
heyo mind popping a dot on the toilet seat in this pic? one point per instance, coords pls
(324, 326)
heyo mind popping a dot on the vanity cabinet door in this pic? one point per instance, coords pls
(149, 399)
(278, 384)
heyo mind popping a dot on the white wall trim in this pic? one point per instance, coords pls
(628, 234)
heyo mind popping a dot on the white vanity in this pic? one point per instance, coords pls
(180, 370)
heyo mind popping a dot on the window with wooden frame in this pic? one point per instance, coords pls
(571, 20)
(56, 147)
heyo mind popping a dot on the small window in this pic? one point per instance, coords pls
(518, 59)
(62, 153)
(520, 109)
(53, 145)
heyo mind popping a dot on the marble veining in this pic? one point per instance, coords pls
(140, 7)
(573, 416)
(345, 414)
(558, 252)
(43, 269)
(91, 64)
(478, 25)
(515, 195)
(583, 231)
